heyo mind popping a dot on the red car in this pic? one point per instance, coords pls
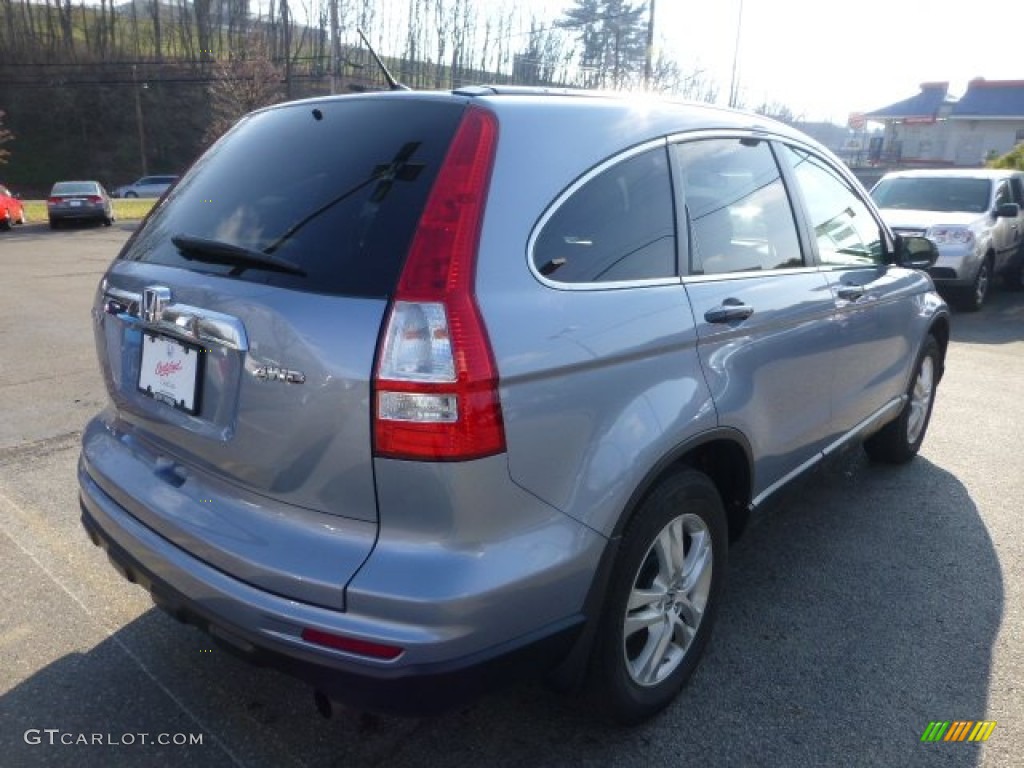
(11, 209)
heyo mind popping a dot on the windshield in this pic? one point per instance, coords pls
(934, 194)
(331, 189)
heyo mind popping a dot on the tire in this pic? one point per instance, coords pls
(5, 222)
(108, 220)
(900, 440)
(974, 297)
(661, 600)
(54, 224)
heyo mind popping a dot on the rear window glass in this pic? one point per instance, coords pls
(335, 188)
(74, 188)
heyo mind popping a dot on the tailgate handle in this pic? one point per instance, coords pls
(193, 324)
(731, 310)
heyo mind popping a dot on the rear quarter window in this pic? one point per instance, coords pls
(618, 225)
(334, 187)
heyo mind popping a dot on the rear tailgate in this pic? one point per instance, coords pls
(241, 389)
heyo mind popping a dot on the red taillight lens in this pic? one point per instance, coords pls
(351, 644)
(95, 199)
(52, 200)
(436, 382)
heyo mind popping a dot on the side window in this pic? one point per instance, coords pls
(619, 225)
(846, 232)
(739, 215)
(1002, 194)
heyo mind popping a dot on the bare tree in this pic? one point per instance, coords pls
(158, 48)
(546, 51)
(242, 83)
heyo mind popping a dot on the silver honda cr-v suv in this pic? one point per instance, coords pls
(410, 392)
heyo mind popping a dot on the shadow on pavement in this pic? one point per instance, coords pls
(1000, 321)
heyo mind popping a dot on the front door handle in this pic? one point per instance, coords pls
(849, 292)
(730, 311)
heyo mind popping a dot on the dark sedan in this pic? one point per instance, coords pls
(79, 201)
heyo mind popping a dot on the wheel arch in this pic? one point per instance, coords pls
(940, 330)
(724, 455)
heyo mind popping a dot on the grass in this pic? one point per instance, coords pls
(124, 210)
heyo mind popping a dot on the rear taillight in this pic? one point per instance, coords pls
(436, 384)
(95, 199)
(52, 200)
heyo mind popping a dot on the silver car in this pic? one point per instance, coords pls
(454, 387)
(975, 217)
(147, 186)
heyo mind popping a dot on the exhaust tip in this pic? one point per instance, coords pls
(323, 704)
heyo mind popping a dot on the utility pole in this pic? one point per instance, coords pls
(138, 121)
(734, 86)
(286, 21)
(334, 47)
(650, 48)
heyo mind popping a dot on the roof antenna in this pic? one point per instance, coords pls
(392, 83)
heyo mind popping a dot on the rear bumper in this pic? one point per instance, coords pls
(260, 628)
(467, 616)
(78, 214)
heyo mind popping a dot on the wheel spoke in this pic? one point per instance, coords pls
(644, 610)
(641, 598)
(642, 620)
(649, 662)
(688, 618)
(668, 548)
(697, 561)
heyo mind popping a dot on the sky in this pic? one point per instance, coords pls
(825, 59)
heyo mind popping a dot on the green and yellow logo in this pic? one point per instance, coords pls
(958, 730)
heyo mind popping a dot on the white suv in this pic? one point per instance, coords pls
(974, 217)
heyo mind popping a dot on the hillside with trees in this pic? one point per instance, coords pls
(111, 91)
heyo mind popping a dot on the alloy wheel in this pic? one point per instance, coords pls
(920, 399)
(668, 600)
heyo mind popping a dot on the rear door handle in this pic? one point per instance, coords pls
(849, 292)
(730, 311)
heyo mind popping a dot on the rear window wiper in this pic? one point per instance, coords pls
(218, 252)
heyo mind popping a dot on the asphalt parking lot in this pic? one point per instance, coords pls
(867, 604)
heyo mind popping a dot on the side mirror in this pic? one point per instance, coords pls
(1008, 211)
(915, 252)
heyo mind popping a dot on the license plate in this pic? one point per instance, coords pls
(75, 203)
(170, 372)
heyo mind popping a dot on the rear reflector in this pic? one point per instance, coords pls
(351, 645)
(436, 381)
